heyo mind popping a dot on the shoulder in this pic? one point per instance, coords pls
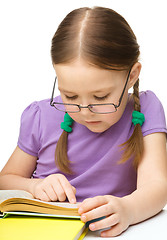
(44, 104)
(40, 107)
(148, 97)
(38, 122)
(150, 104)
(40, 115)
(154, 113)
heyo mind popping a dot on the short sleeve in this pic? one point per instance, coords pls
(28, 139)
(154, 113)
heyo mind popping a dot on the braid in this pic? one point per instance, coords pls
(136, 96)
(134, 146)
(61, 157)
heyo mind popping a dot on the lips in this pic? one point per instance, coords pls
(92, 122)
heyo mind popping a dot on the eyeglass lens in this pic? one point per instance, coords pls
(106, 108)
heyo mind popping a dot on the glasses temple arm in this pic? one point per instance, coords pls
(124, 88)
(51, 100)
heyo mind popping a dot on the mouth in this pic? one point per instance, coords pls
(92, 122)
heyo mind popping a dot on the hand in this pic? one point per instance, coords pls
(116, 211)
(55, 187)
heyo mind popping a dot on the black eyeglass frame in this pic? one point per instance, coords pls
(90, 105)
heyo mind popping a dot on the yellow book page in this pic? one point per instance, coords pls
(26, 228)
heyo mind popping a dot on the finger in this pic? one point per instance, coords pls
(105, 223)
(113, 231)
(70, 193)
(97, 212)
(49, 190)
(41, 195)
(61, 196)
(74, 189)
(91, 203)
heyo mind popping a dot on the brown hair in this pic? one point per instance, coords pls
(103, 38)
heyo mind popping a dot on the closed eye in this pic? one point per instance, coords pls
(102, 98)
(71, 97)
(96, 97)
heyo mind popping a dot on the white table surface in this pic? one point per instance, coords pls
(155, 228)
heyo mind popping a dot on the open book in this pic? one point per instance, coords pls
(23, 203)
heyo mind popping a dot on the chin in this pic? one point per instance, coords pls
(98, 130)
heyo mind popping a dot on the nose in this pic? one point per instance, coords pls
(85, 110)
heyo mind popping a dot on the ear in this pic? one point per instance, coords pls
(134, 74)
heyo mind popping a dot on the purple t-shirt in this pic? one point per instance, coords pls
(94, 156)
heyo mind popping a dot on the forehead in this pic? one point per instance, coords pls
(80, 75)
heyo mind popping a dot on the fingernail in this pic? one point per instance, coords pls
(73, 200)
(92, 227)
(83, 218)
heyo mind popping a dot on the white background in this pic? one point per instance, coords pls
(26, 72)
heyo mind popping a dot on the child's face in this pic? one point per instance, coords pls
(83, 84)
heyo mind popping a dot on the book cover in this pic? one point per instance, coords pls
(42, 228)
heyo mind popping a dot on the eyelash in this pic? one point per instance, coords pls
(71, 98)
(97, 98)
(101, 98)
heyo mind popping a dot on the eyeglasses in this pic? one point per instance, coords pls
(95, 108)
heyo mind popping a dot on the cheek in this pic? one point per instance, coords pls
(75, 117)
(111, 119)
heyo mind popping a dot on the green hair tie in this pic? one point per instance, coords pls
(66, 125)
(138, 118)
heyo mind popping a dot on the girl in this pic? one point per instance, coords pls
(110, 146)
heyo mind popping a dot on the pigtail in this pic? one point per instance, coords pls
(61, 158)
(134, 146)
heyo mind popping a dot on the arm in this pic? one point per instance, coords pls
(18, 171)
(149, 198)
(17, 175)
(151, 194)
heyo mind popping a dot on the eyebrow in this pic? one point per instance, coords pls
(97, 91)
(63, 90)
